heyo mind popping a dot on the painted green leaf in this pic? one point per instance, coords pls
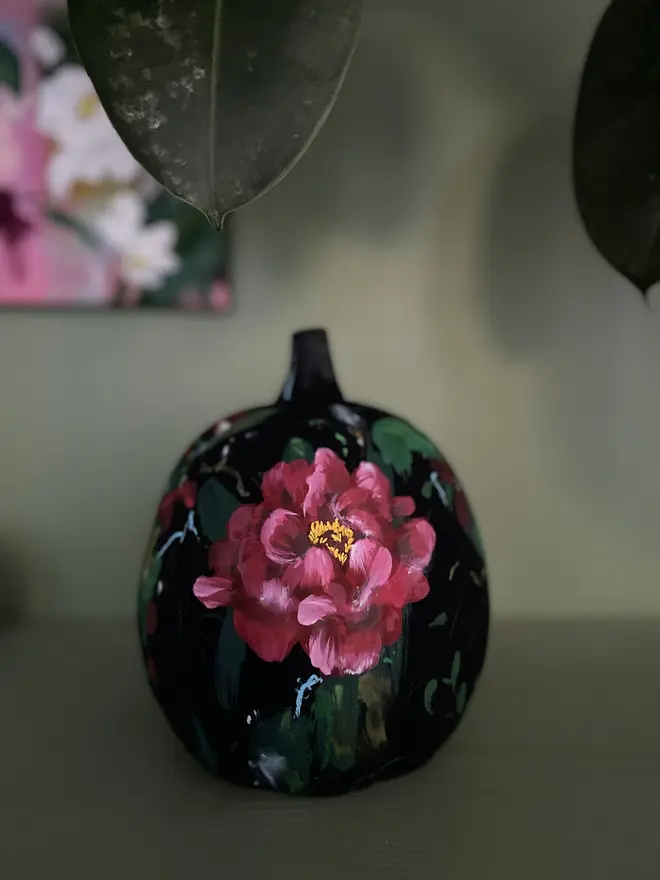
(440, 620)
(397, 440)
(461, 698)
(322, 716)
(429, 693)
(216, 98)
(456, 667)
(215, 505)
(10, 70)
(229, 658)
(282, 751)
(346, 722)
(427, 489)
(297, 448)
(395, 655)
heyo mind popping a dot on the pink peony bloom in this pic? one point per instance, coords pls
(328, 560)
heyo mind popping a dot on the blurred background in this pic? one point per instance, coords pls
(431, 229)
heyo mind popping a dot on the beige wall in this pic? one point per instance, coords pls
(435, 237)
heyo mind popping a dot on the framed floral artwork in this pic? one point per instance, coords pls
(82, 225)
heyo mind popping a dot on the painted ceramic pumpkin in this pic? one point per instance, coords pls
(313, 608)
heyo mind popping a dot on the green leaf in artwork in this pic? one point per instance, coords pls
(298, 448)
(229, 658)
(455, 667)
(440, 620)
(397, 440)
(10, 70)
(461, 698)
(429, 693)
(215, 505)
(427, 489)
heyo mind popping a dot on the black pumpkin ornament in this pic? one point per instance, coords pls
(313, 607)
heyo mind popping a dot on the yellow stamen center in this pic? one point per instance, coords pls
(334, 536)
(88, 106)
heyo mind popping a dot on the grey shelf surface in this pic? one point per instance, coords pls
(555, 773)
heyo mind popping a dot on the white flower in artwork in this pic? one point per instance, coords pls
(47, 46)
(88, 149)
(147, 251)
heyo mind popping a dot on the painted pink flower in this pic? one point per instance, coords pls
(328, 560)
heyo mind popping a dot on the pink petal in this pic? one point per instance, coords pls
(284, 536)
(415, 543)
(366, 524)
(391, 624)
(335, 649)
(405, 586)
(277, 597)
(214, 592)
(315, 608)
(270, 636)
(370, 562)
(285, 485)
(315, 569)
(370, 477)
(223, 557)
(241, 521)
(328, 479)
(253, 568)
(403, 505)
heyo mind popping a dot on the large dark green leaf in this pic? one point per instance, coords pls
(216, 98)
(617, 140)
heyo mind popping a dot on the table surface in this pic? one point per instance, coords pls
(555, 772)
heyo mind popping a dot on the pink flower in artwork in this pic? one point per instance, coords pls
(328, 560)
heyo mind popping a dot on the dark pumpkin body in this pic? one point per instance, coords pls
(304, 650)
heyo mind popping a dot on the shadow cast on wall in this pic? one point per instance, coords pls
(359, 177)
(553, 304)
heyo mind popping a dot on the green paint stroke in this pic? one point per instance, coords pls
(429, 693)
(440, 620)
(215, 505)
(10, 70)
(229, 658)
(298, 448)
(397, 441)
(322, 716)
